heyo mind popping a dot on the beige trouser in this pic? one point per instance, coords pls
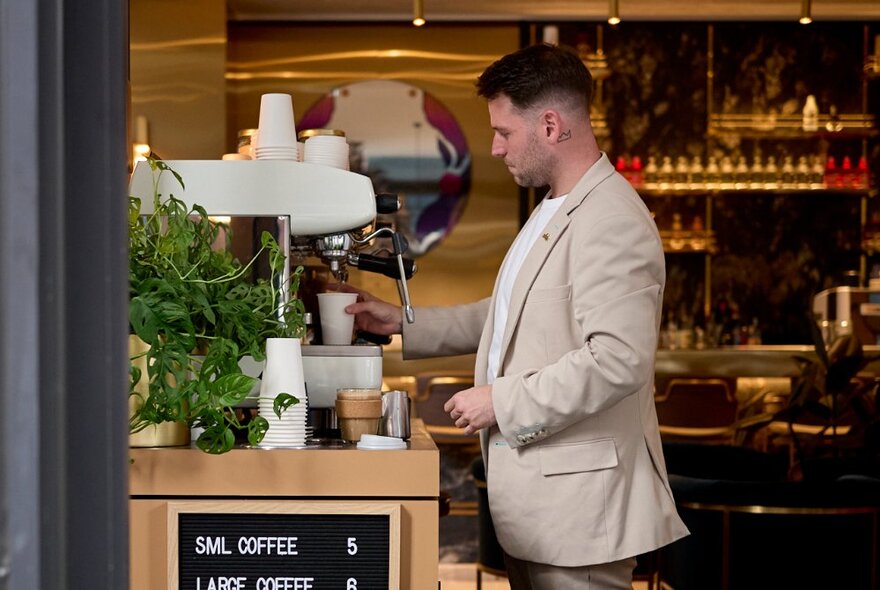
(528, 575)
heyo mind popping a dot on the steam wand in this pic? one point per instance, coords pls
(402, 271)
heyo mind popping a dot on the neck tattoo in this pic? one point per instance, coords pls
(564, 136)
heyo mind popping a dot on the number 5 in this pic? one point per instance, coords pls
(352, 546)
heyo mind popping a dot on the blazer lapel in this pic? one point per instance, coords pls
(529, 272)
(536, 257)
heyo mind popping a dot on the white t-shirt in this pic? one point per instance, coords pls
(509, 271)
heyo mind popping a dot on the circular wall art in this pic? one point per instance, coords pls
(408, 143)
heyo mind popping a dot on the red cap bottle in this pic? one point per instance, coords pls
(831, 176)
(847, 175)
(622, 167)
(636, 177)
(863, 177)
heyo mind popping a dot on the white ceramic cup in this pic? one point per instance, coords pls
(277, 127)
(336, 325)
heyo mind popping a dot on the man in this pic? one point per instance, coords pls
(565, 346)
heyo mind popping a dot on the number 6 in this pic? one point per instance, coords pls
(352, 584)
(352, 550)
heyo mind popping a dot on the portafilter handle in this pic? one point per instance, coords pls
(385, 265)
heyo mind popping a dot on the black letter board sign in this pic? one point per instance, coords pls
(284, 546)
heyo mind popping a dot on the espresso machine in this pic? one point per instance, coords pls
(322, 212)
(849, 310)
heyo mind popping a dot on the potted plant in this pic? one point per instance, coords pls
(198, 313)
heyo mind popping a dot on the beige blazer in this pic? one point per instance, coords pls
(575, 468)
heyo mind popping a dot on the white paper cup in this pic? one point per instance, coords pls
(336, 325)
(276, 154)
(327, 150)
(277, 128)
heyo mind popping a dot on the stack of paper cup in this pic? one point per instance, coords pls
(284, 374)
(276, 136)
(288, 431)
(327, 150)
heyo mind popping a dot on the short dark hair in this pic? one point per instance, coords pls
(538, 73)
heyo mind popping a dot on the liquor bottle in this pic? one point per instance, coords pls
(817, 174)
(831, 175)
(622, 168)
(863, 179)
(635, 170)
(651, 173)
(698, 234)
(756, 174)
(697, 176)
(811, 114)
(846, 173)
(802, 173)
(713, 174)
(771, 174)
(788, 174)
(834, 124)
(726, 173)
(667, 172)
(682, 174)
(741, 174)
(676, 239)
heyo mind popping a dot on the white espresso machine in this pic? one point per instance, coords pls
(849, 310)
(329, 213)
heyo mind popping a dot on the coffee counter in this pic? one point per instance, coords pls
(333, 478)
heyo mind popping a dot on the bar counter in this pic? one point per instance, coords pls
(161, 478)
(744, 361)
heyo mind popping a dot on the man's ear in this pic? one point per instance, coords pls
(551, 123)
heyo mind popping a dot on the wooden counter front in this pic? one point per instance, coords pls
(407, 478)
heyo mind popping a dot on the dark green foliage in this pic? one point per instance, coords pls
(200, 312)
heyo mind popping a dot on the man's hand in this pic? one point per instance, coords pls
(371, 314)
(472, 409)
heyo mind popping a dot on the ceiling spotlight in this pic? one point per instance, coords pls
(418, 12)
(806, 12)
(613, 12)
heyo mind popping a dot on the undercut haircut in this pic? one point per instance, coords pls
(539, 75)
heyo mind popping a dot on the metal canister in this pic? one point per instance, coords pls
(395, 414)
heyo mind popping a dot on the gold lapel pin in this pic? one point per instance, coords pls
(546, 237)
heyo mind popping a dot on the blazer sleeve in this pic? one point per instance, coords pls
(606, 351)
(445, 331)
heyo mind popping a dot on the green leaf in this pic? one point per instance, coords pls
(282, 402)
(257, 429)
(187, 291)
(232, 389)
(216, 440)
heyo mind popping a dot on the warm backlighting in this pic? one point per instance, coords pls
(613, 12)
(418, 13)
(140, 147)
(139, 152)
(806, 13)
